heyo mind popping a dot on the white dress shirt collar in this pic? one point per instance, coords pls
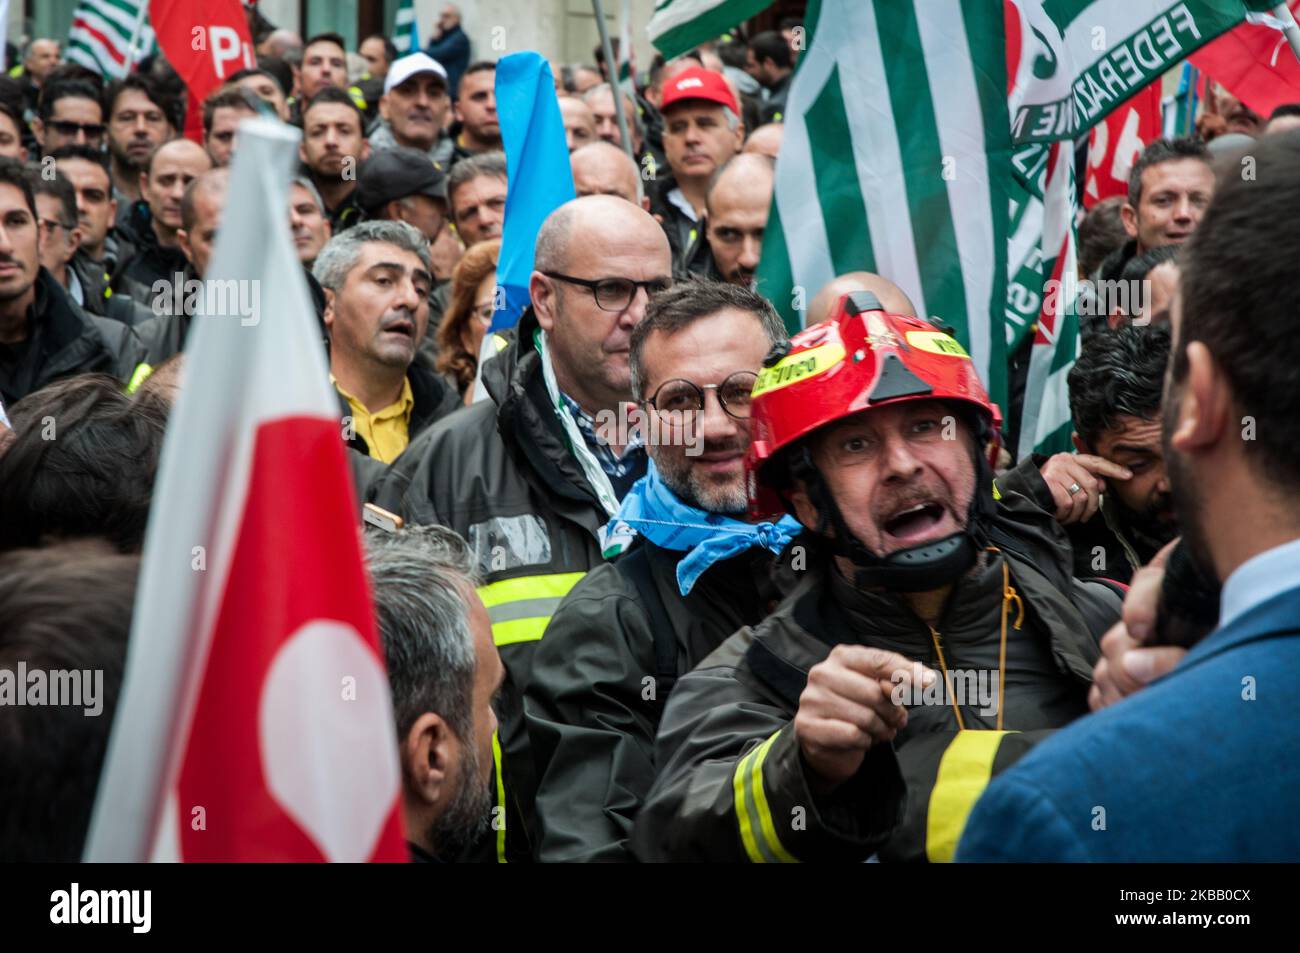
(1259, 579)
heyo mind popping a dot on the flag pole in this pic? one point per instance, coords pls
(1289, 28)
(611, 68)
(135, 37)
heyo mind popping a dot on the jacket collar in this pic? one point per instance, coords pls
(1277, 616)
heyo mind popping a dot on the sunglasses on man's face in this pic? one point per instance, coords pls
(92, 130)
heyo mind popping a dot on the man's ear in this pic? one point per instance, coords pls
(542, 292)
(804, 511)
(183, 239)
(1129, 217)
(302, 153)
(430, 753)
(75, 237)
(395, 210)
(365, 151)
(1204, 405)
(144, 181)
(383, 107)
(38, 131)
(328, 315)
(1079, 445)
(112, 207)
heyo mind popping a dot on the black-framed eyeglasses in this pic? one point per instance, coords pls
(614, 294)
(64, 127)
(51, 224)
(678, 399)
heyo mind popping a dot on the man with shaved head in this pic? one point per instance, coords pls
(736, 215)
(579, 123)
(602, 169)
(554, 450)
(890, 295)
(766, 140)
(154, 220)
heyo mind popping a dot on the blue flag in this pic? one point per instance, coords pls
(537, 162)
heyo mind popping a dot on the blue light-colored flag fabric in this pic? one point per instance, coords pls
(537, 162)
(660, 515)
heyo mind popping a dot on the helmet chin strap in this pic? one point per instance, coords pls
(920, 568)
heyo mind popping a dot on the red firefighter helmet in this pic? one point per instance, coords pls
(861, 358)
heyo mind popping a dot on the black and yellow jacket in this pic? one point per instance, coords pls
(732, 783)
(602, 675)
(500, 473)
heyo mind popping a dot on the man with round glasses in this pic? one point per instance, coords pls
(526, 477)
(698, 572)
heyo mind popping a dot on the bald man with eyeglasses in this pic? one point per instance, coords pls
(532, 477)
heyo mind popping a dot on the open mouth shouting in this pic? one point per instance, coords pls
(915, 521)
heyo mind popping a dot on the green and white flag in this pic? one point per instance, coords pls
(678, 26)
(1072, 62)
(406, 32)
(626, 80)
(896, 160)
(110, 36)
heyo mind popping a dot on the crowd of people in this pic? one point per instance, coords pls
(678, 585)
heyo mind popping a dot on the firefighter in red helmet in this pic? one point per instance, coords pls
(936, 635)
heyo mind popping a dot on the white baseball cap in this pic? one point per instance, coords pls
(411, 65)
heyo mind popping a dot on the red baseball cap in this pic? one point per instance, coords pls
(696, 82)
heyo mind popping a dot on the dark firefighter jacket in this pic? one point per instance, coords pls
(602, 674)
(732, 784)
(501, 474)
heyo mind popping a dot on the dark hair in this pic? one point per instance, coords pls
(1249, 325)
(1100, 233)
(51, 93)
(690, 301)
(95, 479)
(1120, 373)
(335, 38)
(492, 164)
(154, 90)
(1286, 109)
(732, 53)
(63, 609)
(79, 151)
(15, 173)
(228, 98)
(332, 94)
(75, 71)
(1139, 266)
(278, 68)
(1160, 151)
(15, 116)
(390, 48)
(61, 188)
(771, 45)
(482, 66)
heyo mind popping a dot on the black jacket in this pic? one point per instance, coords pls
(732, 782)
(149, 263)
(601, 678)
(97, 295)
(500, 474)
(686, 240)
(434, 399)
(64, 340)
(773, 109)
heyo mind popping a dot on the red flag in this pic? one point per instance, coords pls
(255, 721)
(1254, 63)
(1116, 141)
(205, 41)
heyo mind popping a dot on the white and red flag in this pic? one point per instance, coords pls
(1254, 62)
(255, 721)
(206, 41)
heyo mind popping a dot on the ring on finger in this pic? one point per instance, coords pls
(1074, 488)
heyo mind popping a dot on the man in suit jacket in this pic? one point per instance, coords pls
(1200, 765)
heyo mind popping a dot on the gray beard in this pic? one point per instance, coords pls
(469, 813)
(726, 501)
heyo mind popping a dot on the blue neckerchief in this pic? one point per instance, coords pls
(656, 512)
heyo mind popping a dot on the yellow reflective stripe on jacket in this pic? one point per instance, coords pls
(499, 821)
(138, 377)
(520, 608)
(757, 829)
(964, 772)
